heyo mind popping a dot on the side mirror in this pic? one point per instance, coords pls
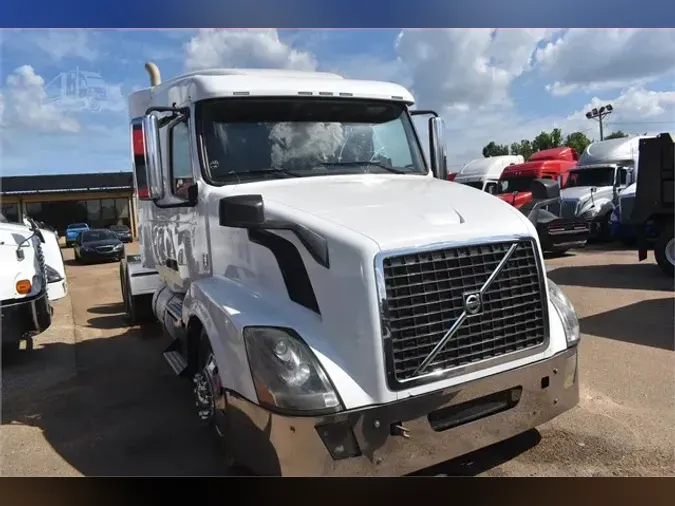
(438, 160)
(147, 161)
(543, 189)
(560, 180)
(241, 211)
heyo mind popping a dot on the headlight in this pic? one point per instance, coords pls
(589, 213)
(286, 373)
(566, 311)
(52, 275)
(119, 246)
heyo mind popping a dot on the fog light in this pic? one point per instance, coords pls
(339, 440)
(570, 371)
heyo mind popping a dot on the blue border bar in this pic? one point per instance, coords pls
(340, 14)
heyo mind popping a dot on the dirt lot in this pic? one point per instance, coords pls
(96, 398)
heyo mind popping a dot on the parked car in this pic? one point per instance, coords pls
(72, 231)
(123, 232)
(98, 244)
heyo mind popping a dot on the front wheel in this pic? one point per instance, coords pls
(209, 396)
(664, 250)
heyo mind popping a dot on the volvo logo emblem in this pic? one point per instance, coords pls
(472, 303)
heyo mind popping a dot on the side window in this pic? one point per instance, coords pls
(622, 176)
(180, 166)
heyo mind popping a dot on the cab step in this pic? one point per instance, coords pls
(175, 360)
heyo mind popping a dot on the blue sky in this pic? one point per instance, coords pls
(502, 85)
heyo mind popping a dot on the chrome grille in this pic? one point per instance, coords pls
(425, 297)
(626, 208)
(568, 208)
(105, 249)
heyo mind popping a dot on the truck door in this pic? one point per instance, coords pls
(174, 227)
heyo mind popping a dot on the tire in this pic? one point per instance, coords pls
(664, 250)
(605, 229)
(210, 403)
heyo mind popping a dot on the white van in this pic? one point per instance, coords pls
(483, 173)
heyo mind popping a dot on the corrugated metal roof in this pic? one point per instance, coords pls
(64, 183)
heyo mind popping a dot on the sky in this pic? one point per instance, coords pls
(501, 85)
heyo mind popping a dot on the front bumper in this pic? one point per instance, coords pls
(97, 256)
(562, 234)
(441, 425)
(25, 317)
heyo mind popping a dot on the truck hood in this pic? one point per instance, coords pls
(396, 211)
(517, 200)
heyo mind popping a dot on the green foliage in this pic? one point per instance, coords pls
(545, 140)
(616, 135)
(493, 149)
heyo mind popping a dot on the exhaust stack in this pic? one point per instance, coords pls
(153, 71)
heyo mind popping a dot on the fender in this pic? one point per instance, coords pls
(225, 307)
(606, 208)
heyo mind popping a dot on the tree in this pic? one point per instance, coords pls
(546, 140)
(577, 141)
(523, 148)
(493, 149)
(616, 135)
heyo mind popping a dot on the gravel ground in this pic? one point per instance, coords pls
(96, 398)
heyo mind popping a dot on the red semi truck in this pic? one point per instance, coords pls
(516, 180)
(516, 186)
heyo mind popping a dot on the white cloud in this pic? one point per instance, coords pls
(593, 60)
(461, 69)
(26, 104)
(244, 48)
(61, 44)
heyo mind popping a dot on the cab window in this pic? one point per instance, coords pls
(180, 166)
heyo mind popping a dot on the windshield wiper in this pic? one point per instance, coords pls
(364, 164)
(275, 172)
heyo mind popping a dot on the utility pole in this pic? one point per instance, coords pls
(599, 114)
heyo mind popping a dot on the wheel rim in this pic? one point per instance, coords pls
(670, 251)
(208, 397)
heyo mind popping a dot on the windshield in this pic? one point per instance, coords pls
(598, 176)
(475, 184)
(516, 184)
(98, 235)
(77, 225)
(253, 139)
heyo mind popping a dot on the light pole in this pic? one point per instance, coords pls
(599, 114)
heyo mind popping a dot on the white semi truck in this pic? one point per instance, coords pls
(483, 173)
(340, 307)
(605, 169)
(32, 275)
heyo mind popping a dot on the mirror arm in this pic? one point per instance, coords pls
(419, 112)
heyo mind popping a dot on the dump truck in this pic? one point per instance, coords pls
(653, 205)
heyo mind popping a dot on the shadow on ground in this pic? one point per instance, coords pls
(125, 413)
(638, 276)
(649, 322)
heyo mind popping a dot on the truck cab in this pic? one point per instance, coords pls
(32, 275)
(484, 173)
(516, 180)
(338, 306)
(605, 169)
